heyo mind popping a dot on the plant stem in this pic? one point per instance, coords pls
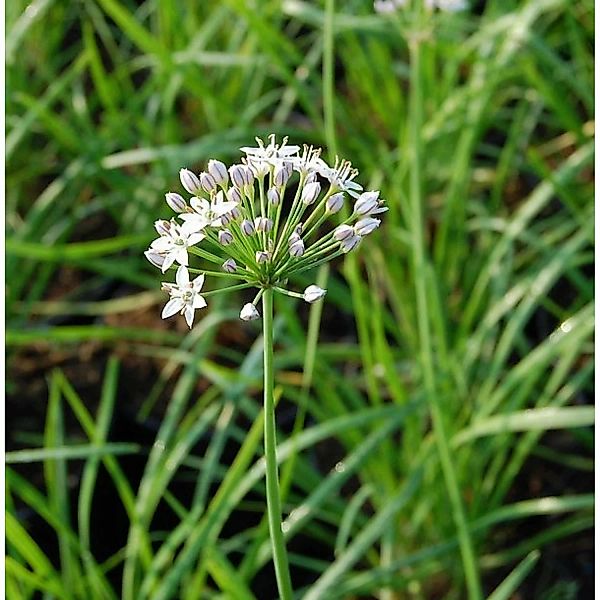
(419, 274)
(280, 560)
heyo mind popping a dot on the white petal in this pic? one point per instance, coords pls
(181, 256)
(188, 313)
(194, 238)
(182, 277)
(198, 282)
(169, 260)
(199, 302)
(162, 244)
(223, 208)
(173, 306)
(199, 204)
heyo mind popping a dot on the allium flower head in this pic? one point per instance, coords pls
(240, 222)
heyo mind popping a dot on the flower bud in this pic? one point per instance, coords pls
(189, 181)
(176, 202)
(208, 183)
(229, 266)
(313, 293)
(297, 248)
(225, 219)
(282, 174)
(367, 203)
(273, 196)
(218, 171)
(310, 192)
(294, 237)
(240, 175)
(350, 243)
(366, 225)
(262, 256)
(343, 232)
(334, 203)
(263, 224)
(156, 259)
(235, 213)
(247, 227)
(162, 227)
(311, 177)
(233, 195)
(249, 312)
(225, 237)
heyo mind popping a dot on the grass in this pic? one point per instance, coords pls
(450, 367)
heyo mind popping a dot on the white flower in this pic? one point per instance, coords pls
(185, 296)
(309, 162)
(249, 312)
(156, 259)
(341, 176)
(261, 158)
(207, 212)
(173, 244)
(367, 225)
(313, 293)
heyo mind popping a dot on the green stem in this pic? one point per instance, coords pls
(419, 269)
(280, 560)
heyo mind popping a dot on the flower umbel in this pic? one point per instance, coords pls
(240, 221)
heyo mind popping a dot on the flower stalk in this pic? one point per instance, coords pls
(280, 559)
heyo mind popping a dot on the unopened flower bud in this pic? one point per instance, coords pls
(343, 232)
(350, 243)
(225, 219)
(334, 203)
(233, 195)
(297, 248)
(235, 213)
(367, 203)
(282, 174)
(162, 227)
(240, 175)
(273, 197)
(218, 171)
(310, 192)
(225, 237)
(311, 177)
(366, 225)
(313, 293)
(229, 266)
(189, 181)
(247, 227)
(176, 202)
(249, 312)
(263, 224)
(294, 237)
(208, 183)
(262, 256)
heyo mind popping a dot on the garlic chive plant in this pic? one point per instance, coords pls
(239, 220)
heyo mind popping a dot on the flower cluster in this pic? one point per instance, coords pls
(241, 220)
(390, 6)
